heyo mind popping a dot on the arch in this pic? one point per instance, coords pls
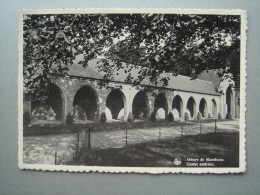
(191, 106)
(52, 107)
(116, 101)
(178, 105)
(85, 102)
(203, 107)
(140, 107)
(161, 102)
(214, 108)
(229, 102)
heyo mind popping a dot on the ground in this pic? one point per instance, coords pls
(62, 148)
(162, 153)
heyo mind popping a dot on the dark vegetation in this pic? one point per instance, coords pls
(171, 43)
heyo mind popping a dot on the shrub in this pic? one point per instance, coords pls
(198, 116)
(186, 116)
(170, 117)
(44, 112)
(26, 119)
(153, 117)
(219, 116)
(209, 116)
(79, 113)
(130, 117)
(103, 118)
(70, 118)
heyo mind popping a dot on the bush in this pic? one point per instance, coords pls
(186, 116)
(79, 113)
(209, 116)
(70, 118)
(103, 118)
(44, 112)
(26, 119)
(170, 117)
(199, 116)
(219, 116)
(130, 117)
(153, 117)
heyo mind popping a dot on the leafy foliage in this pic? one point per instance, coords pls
(79, 113)
(44, 112)
(158, 43)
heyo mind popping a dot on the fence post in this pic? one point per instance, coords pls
(215, 125)
(182, 130)
(55, 155)
(200, 125)
(126, 134)
(89, 144)
(78, 143)
(159, 131)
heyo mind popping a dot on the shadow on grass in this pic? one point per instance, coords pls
(162, 153)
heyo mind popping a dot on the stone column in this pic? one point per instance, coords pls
(151, 100)
(102, 97)
(67, 105)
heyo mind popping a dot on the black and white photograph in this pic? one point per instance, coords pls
(132, 90)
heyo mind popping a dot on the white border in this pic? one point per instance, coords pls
(152, 170)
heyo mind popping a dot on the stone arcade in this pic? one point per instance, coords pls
(209, 95)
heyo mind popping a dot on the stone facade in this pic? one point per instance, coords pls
(158, 97)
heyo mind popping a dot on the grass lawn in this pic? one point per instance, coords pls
(162, 153)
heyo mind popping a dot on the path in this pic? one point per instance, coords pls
(41, 149)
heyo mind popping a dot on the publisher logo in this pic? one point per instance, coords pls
(177, 161)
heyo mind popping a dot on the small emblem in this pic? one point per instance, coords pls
(177, 161)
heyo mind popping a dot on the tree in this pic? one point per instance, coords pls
(159, 43)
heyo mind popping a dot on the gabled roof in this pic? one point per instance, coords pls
(212, 76)
(179, 82)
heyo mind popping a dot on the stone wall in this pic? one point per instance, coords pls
(69, 86)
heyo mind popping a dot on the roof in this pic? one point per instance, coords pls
(181, 83)
(212, 76)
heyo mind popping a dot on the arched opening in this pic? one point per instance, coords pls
(85, 103)
(229, 102)
(178, 105)
(161, 114)
(214, 108)
(191, 107)
(140, 106)
(161, 102)
(203, 107)
(51, 108)
(116, 103)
